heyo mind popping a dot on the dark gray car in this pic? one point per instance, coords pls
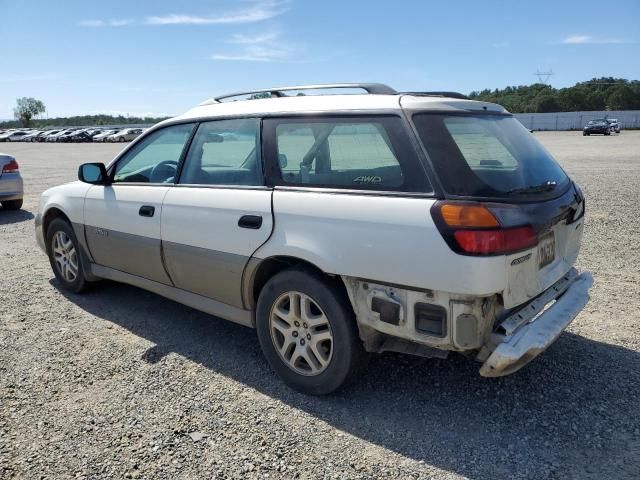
(11, 189)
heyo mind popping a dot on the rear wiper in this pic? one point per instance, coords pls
(542, 188)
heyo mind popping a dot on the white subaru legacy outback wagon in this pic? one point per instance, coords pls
(421, 223)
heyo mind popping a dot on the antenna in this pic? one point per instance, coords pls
(543, 77)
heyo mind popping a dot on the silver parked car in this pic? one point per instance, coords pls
(125, 135)
(11, 190)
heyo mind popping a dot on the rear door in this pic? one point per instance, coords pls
(122, 220)
(219, 213)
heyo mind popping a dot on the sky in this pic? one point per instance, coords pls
(159, 57)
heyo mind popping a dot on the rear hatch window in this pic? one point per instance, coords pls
(489, 156)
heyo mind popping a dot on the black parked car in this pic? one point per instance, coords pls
(79, 136)
(597, 126)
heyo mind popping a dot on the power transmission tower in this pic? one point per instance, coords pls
(543, 77)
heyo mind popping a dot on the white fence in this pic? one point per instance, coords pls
(576, 120)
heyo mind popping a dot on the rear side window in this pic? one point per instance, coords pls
(488, 156)
(361, 153)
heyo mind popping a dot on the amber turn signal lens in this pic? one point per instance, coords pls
(473, 216)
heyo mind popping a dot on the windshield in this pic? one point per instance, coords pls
(488, 156)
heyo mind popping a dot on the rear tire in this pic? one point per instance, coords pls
(308, 332)
(12, 204)
(121, 139)
(65, 256)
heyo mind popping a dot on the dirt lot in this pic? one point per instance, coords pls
(122, 383)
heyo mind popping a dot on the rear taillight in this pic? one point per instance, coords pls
(473, 229)
(11, 167)
(488, 242)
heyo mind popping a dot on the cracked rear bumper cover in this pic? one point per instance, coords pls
(533, 338)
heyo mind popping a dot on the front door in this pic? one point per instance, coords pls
(122, 220)
(219, 213)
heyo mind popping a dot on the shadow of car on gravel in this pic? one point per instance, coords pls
(571, 413)
(8, 217)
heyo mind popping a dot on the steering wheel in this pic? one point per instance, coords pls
(163, 171)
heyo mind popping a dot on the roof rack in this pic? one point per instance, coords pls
(438, 94)
(370, 88)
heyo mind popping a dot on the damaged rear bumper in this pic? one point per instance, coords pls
(529, 332)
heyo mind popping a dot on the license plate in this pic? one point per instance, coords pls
(546, 250)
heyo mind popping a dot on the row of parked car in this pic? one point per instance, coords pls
(71, 135)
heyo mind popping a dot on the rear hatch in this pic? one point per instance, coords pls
(489, 161)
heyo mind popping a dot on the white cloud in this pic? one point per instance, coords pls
(257, 11)
(588, 39)
(116, 22)
(266, 47)
(249, 40)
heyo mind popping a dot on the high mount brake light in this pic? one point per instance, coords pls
(473, 229)
(11, 167)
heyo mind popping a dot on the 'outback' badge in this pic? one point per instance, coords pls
(519, 260)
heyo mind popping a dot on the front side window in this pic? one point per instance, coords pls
(155, 158)
(224, 152)
(359, 153)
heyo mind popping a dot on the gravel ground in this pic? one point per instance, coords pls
(123, 383)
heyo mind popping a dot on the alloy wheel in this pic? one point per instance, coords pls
(65, 256)
(301, 333)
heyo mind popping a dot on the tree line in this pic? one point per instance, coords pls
(28, 108)
(606, 93)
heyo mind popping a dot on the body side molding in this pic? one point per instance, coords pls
(204, 304)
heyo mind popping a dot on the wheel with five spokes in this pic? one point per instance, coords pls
(308, 332)
(65, 256)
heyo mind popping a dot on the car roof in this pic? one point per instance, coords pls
(280, 103)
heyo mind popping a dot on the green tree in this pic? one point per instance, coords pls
(594, 94)
(622, 97)
(571, 100)
(26, 109)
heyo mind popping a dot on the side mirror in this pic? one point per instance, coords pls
(93, 173)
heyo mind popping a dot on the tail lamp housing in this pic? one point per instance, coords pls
(11, 167)
(483, 229)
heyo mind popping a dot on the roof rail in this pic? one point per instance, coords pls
(438, 94)
(370, 88)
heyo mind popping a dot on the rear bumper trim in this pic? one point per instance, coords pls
(528, 340)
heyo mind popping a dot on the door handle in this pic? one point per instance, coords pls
(147, 211)
(250, 221)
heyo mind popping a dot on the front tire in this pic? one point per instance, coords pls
(121, 139)
(12, 204)
(307, 331)
(65, 256)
